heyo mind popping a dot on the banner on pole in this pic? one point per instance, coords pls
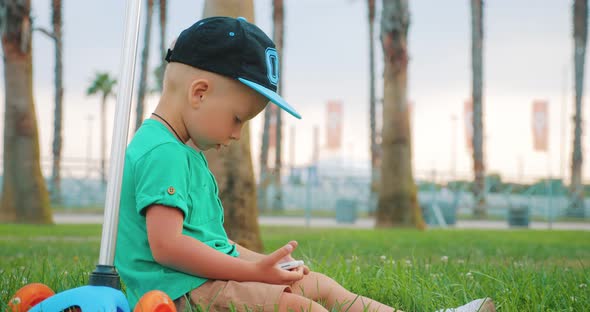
(334, 125)
(540, 125)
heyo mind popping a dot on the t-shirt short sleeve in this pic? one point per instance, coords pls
(162, 178)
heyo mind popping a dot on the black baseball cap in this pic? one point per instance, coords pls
(235, 48)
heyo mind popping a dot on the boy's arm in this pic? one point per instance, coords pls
(250, 255)
(173, 249)
(246, 253)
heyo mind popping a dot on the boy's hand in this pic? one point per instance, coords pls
(304, 269)
(288, 258)
(271, 273)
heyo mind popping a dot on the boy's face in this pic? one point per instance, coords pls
(223, 108)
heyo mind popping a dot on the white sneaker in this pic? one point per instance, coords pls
(478, 305)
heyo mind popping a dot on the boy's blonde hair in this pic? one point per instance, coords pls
(230, 47)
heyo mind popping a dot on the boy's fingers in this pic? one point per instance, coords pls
(305, 269)
(280, 253)
(300, 269)
(292, 276)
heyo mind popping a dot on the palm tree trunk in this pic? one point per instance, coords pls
(233, 167)
(58, 116)
(278, 35)
(580, 36)
(24, 193)
(145, 55)
(263, 184)
(477, 90)
(372, 119)
(103, 139)
(397, 205)
(163, 48)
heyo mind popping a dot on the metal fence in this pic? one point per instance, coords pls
(328, 191)
(344, 194)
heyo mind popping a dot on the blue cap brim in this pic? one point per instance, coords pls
(271, 96)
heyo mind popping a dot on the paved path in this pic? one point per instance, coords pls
(331, 222)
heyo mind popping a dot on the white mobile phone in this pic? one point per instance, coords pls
(291, 264)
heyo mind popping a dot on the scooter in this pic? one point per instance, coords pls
(103, 294)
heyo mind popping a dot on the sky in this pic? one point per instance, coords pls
(528, 55)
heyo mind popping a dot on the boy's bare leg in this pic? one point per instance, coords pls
(317, 286)
(297, 303)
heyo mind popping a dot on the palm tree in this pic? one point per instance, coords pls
(24, 193)
(104, 85)
(55, 35)
(233, 167)
(580, 34)
(278, 33)
(398, 204)
(263, 185)
(163, 46)
(477, 88)
(278, 36)
(145, 55)
(374, 147)
(59, 90)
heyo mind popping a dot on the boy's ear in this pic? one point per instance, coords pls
(198, 90)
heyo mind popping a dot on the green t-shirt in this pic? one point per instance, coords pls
(161, 170)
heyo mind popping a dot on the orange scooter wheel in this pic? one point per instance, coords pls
(28, 296)
(155, 301)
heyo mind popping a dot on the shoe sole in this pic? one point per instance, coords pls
(487, 306)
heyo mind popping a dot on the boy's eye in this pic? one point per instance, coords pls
(237, 119)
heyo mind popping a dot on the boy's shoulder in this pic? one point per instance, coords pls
(152, 138)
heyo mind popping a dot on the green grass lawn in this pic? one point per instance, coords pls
(523, 270)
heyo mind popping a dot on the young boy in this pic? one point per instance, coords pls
(221, 73)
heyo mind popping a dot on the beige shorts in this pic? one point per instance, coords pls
(216, 295)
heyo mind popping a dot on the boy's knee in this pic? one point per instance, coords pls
(294, 302)
(320, 278)
(315, 286)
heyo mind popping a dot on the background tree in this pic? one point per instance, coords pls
(233, 166)
(145, 55)
(373, 147)
(278, 17)
(59, 91)
(398, 203)
(163, 46)
(580, 14)
(56, 148)
(104, 85)
(264, 174)
(24, 193)
(479, 210)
